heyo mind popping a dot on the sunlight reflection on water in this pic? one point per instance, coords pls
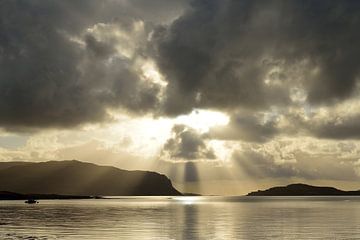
(183, 218)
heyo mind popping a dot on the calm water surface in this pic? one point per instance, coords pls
(183, 218)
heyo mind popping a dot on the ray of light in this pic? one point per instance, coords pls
(202, 120)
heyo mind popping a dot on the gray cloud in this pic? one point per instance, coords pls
(259, 164)
(233, 56)
(341, 128)
(186, 144)
(325, 123)
(157, 11)
(247, 128)
(98, 48)
(222, 54)
(55, 73)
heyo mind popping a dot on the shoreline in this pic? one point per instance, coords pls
(5, 195)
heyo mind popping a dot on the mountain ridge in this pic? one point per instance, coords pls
(73, 177)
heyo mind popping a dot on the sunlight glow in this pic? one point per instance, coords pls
(151, 73)
(125, 39)
(188, 200)
(147, 134)
(203, 120)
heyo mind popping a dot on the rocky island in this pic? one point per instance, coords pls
(300, 189)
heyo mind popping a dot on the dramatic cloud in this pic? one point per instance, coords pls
(251, 54)
(186, 144)
(263, 89)
(64, 63)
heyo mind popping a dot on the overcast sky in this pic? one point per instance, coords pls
(223, 96)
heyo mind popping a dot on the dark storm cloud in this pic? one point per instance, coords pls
(38, 78)
(98, 48)
(157, 11)
(220, 54)
(324, 123)
(228, 55)
(186, 144)
(48, 80)
(346, 127)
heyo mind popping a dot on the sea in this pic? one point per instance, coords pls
(183, 218)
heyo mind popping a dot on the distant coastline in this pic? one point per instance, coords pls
(5, 195)
(300, 189)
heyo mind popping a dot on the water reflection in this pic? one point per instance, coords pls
(190, 229)
(183, 218)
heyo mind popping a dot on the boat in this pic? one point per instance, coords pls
(31, 201)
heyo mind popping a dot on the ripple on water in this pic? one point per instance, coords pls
(184, 218)
(15, 236)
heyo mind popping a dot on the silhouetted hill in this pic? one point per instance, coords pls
(80, 178)
(303, 190)
(4, 165)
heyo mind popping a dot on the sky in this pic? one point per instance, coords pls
(222, 96)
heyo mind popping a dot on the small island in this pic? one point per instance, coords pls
(300, 189)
